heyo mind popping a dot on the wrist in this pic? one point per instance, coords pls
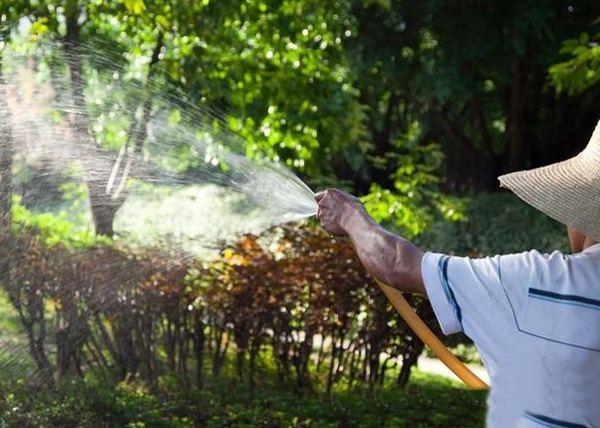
(355, 219)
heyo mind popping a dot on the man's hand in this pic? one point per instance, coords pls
(338, 211)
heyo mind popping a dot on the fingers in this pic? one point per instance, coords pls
(329, 211)
(322, 210)
(319, 196)
(328, 193)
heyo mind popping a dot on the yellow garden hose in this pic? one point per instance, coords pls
(426, 335)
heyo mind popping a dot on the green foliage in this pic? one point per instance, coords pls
(282, 68)
(135, 6)
(335, 89)
(582, 70)
(381, 97)
(415, 201)
(91, 402)
(497, 224)
(53, 228)
(9, 323)
(465, 352)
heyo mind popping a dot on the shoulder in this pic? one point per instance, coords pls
(515, 269)
(554, 267)
(533, 265)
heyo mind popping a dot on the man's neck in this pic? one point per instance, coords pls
(588, 242)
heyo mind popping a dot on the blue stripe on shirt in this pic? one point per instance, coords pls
(562, 302)
(567, 299)
(551, 422)
(443, 270)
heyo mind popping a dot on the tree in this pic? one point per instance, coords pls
(581, 70)
(471, 74)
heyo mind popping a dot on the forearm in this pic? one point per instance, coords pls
(390, 258)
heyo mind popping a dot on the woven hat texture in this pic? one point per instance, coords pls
(568, 191)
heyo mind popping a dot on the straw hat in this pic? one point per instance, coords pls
(567, 191)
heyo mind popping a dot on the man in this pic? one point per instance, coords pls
(535, 318)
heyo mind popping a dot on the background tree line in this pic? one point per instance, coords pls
(352, 92)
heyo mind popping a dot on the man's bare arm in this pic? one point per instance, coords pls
(390, 258)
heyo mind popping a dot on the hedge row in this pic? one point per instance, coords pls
(293, 297)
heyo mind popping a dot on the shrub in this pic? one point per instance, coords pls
(307, 296)
(497, 223)
(430, 401)
(293, 296)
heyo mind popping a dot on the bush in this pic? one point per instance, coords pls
(294, 298)
(309, 299)
(292, 307)
(429, 401)
(497, 223)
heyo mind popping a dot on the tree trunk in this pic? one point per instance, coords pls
(104, 201)
(239, 363)
(409, 359)
(102, 206)
(514, 117)
(6, 155)
(199, 343)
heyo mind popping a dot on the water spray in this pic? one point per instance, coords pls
(129, 153)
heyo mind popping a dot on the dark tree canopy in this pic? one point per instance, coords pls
(345, 90)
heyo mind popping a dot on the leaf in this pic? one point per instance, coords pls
(39, 27)
(174, 117)
(135, 6)
(163, 22)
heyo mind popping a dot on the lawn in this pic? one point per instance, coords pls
(428, 401)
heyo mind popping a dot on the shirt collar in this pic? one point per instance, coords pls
(592, 248)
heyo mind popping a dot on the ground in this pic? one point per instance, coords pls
(430, 400)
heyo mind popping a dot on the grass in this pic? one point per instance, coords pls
(428, 401)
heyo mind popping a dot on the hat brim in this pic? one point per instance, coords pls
(566, 191)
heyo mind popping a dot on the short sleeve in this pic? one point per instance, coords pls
(483, 296)
(434, 271)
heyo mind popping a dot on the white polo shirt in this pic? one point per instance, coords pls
(535, 319)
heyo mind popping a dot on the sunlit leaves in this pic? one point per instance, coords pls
(415, 201)
(582, 70)
(163, 22)
(53, 229)
(283, 56)
(175, 117)
(39, 27)
(135, 6)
